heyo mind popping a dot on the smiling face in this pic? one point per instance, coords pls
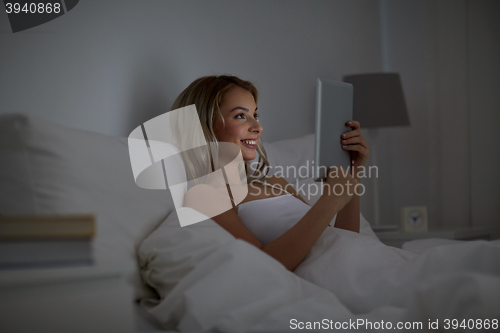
(240, 125)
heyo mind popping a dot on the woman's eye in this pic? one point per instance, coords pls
(256, 116)
(240, 116)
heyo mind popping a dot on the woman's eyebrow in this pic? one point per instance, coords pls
(241, 108)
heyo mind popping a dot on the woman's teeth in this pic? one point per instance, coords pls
(249, 142)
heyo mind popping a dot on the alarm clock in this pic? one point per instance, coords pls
(414, 218)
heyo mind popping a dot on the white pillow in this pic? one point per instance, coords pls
(297, 153)
(50, 169)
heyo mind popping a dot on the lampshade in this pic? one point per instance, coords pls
(378, 100)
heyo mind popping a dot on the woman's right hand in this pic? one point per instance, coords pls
(339, 185)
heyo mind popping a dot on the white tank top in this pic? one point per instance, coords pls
(270, 218)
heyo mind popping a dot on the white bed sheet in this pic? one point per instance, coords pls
(347, 276)
(419, 246)
(145, 323)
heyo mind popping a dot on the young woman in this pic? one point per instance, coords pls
(278, 221)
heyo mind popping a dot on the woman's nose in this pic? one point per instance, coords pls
(256, 126)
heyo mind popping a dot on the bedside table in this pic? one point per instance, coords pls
(398, 238)
(60, 300)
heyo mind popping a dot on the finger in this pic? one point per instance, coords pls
(349, 134)
(354, 134)
(362, 153)
(355, 140)
(360, 149)
(353, 124)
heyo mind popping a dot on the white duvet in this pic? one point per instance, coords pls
(209, 281)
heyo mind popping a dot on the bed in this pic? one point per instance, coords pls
(199, 278)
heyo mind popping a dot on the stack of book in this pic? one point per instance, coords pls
(45, 241)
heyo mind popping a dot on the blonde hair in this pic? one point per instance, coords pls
(207, 94)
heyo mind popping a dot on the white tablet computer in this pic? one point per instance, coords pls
(333, 109)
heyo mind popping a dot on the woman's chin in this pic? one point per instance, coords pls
(248, 157)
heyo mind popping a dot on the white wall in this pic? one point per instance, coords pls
(447, 52)
(107, 66)
(483, 57)
(402, 151)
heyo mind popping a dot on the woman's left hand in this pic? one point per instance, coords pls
(355, 142)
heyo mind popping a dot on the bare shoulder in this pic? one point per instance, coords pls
(202, 191)
(207, 200)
